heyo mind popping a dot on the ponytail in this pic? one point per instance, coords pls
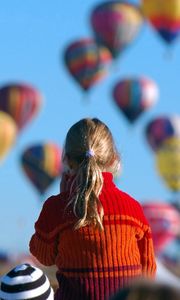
(86, 204)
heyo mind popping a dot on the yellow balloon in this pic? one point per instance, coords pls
(164, 16)
(161, 8)
(8, 132)
(168, 163)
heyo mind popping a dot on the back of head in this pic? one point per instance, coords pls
(148, 290)
(89, 150)
(25, 282)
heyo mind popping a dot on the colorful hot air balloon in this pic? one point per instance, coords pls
(133, 96)
(42, 165)
(168, 163)
(162, 128)
(8, 132)
(21, 101)
(164, 221)
(164, 16)
(87, 62)
(116, 24)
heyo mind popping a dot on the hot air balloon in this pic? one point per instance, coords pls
(42, 165)
(162, 128)
(133, 96)
(168, 163)
(8, 132)
(164, 221)
(164, 16)
(116, 24)
(21, 101)
(86, 62)
(171, 255)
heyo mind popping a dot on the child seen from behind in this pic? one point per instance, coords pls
(96, 235)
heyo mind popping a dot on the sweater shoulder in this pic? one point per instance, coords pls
(55, 202)
(118, 202)
(125, 197)
(52, 213)
(134, 207)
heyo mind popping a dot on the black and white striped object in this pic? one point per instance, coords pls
(25, 282)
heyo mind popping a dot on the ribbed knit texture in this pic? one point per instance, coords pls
(93, 265)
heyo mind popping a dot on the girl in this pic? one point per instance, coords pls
(96, 235)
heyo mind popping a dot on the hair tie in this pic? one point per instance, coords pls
(89, 153)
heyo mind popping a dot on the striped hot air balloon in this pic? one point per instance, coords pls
(164, 16)
(116, 24)
(20, 101)
(86, 62)
(164, 221)
(133, 96)
(160, 129)
(42, 165)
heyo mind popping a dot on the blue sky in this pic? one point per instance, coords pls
(33, 37)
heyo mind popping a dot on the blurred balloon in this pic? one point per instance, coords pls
(87, 62)
(116, 24)
(133, 96)
(4, 257)
(164, 16)
(162, 128)
(175, 201)
(171, 254)
(168, 163)
(164, 221)
(42, 165)
(21, 101)
(8, 132)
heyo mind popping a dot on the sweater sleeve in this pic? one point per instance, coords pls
(146, 247)
(146, 250)
(43, 243)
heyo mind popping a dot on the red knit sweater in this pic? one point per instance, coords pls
(93, 265)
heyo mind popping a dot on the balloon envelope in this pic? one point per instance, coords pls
(116, 24)
(133, 96)
(164, 16)
(8, 132)
(168, 163)
(21, 101)
(171, 255)
(86, 62)
(162, 128)
(164, 221)
(42, 165)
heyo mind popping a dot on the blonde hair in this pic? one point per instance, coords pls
(90, 147)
